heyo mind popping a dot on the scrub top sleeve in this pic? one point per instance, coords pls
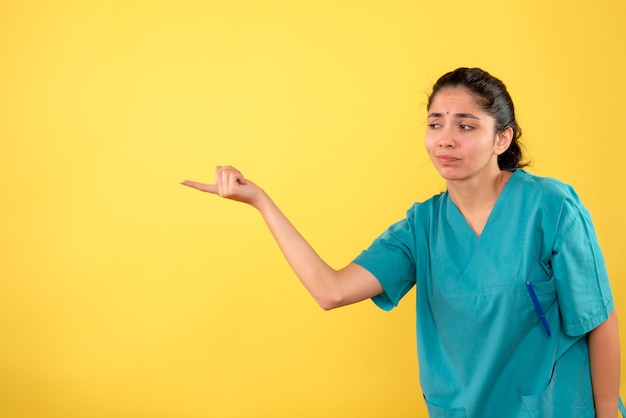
(582, 282)
(390, 259)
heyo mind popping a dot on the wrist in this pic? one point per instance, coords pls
(262, 202)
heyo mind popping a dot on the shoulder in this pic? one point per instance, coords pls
(555, 200)
(545, 188)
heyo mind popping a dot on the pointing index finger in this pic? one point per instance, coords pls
(209, 188)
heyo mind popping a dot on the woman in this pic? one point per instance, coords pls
(515, 316)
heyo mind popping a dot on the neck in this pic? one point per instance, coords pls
(476, 194)
(475, 198)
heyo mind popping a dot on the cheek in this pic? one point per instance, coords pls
(430, 142)
(483, 150)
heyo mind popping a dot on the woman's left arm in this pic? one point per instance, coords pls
(604, 357)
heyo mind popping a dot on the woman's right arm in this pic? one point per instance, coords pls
(331, 288)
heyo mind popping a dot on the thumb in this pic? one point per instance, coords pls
(209, 188)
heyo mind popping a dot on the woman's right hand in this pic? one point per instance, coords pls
(230, 184)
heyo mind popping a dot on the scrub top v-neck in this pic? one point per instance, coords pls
(483, 350)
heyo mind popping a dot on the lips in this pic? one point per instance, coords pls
(446, 159)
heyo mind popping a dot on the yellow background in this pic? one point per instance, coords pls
(124, 294)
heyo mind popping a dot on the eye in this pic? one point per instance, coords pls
(466, 127)
(434, 125)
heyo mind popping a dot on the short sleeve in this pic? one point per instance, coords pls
(390, 258)
(578, 266)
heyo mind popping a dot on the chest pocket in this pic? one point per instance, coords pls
(482, 296)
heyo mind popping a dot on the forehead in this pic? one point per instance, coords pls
(455, 99)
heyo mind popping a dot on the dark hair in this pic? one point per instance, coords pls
(490, 94)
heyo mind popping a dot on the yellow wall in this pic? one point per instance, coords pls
(123, 294)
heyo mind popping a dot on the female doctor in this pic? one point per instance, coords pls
(515, 316)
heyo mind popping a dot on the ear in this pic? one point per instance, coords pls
(503, 140)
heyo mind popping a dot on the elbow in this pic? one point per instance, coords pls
(328, 292)
(330, 302)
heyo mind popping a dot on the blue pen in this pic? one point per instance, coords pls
(535, 300)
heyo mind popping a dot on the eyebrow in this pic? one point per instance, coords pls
(458, 115)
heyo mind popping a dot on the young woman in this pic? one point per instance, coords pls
(515, 316)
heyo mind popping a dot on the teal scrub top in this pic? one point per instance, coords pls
(482, 349)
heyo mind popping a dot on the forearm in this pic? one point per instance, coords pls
(315, 274)
(604, 357)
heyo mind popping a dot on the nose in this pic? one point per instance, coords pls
(446, 139)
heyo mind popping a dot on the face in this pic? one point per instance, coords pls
(461, 139)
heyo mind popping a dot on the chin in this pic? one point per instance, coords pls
(450, 175)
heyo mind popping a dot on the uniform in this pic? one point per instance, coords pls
(482, 349)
